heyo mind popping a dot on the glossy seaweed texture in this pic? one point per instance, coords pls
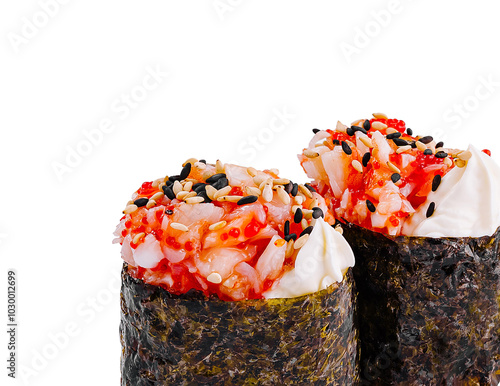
(429, 309)
(192, 340)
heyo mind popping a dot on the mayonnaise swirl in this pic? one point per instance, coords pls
(323, 260)
(467, 202)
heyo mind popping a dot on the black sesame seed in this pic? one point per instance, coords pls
(221, 183)
(247, 200)
(169, 183)
(409, 131)
(435, 182)
(441, 154)
(393, 135)
(290, 237)
(295, 190)
(168, 192)
(199, 186)
(367, 125)
(203, 161)
(427, 152)
(286, 229)
(215, 178)
(370, 206)
(400, 142)
(315, 131)
(366, 159)
(177, 177)
(346, 148)
(395, 177)
(289, 187)
(185, 171)
(297, 217)
(311, 189)
(336, 142)
(359, 128)
(317, 212)
(350, 131)
(440, 144)
(430, 209)
(169, 212)
(141, 201)
(427, 139)
(203, 193)
(307, 231)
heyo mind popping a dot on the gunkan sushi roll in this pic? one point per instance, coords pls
(423, 221)
(234, 276)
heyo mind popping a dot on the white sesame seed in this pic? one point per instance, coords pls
(421, 146)
(289, 248)
(314, 203)
(219, 167)
(207, 174)
(182, 195)
(366, 141)
(378, 125)
(252, 171)
(391, 130)
(217, 226)
(295, 207)
(339, 229)
(310, 153)
(179, 226)
(465, 155)
(305, 191)
(357, 122)
(301, 241)
(304, 223)
(267, 193)
(157, 196)
(252, 191)
(280, 181)
(299, 199)
(351, 144)
(393, 167)
(177, 187)
(379, 116)
(150, 204)
(194, 200)
(200, 165)
(357, 165)
(403, 149)
(282, 195)
(448, 162)
(211, 191)
(130, 209)
(229, 198)
(157, 182)
(259, 179)
(187, 186)
(215, 278)
(307, 213)
(341, 127)
(222, 192)
(138, 237)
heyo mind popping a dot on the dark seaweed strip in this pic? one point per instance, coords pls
(191, 340)
(429, 309)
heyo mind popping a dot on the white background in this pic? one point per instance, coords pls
(232, 67)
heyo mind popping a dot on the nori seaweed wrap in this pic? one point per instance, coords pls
(234, 276)
(423, 224)
(193, 340)
(429, 308)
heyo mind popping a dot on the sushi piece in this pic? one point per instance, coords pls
(234, 276)
(423, 221)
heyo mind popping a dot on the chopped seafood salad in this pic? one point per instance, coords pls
(222, 229)
(376, 173)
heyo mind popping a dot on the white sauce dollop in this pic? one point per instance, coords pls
(323, 260)
(467, 202)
